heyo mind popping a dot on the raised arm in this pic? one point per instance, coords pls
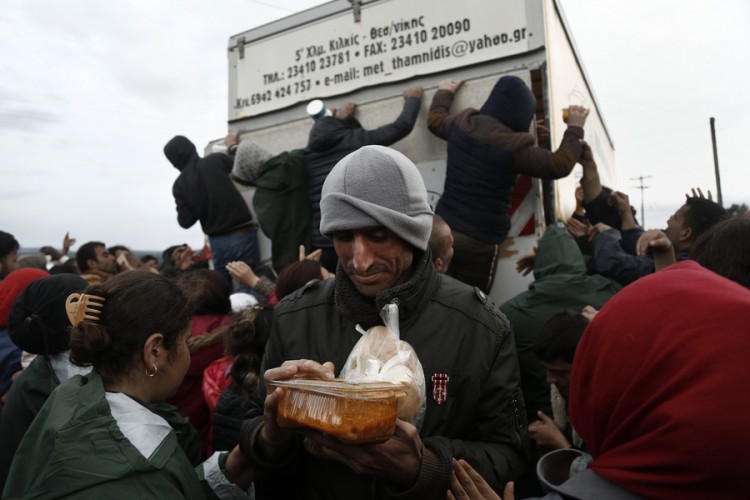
(401, 127)
(439, 119)
(539, 162)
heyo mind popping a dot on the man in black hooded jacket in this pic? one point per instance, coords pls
(204, 192)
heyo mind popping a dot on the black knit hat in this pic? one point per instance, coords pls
(38, 322)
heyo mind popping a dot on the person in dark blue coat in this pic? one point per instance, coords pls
(487, 149)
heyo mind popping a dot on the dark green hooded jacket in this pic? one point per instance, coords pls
(75, 449)
(560, 283)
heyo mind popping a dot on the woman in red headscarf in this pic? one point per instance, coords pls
(659, 395)
(659, 390)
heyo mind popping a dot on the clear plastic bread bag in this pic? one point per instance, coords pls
(381, 356)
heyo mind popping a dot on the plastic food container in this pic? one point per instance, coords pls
(351, 412)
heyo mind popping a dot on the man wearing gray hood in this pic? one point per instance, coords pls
(374, 207)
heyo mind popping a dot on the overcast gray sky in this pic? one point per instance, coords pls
(90, 92)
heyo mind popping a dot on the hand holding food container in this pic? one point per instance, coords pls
(275, 440)
(359, 418)
(381, 380)
(575, 116)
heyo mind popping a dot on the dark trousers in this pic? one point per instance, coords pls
(240, 245)
(474, 262)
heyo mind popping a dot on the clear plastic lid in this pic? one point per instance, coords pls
(342, 388)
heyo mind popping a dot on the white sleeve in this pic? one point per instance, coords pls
(220, 484)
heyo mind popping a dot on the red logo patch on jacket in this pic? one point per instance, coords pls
(440, 387)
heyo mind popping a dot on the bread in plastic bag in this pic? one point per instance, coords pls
(380, 356)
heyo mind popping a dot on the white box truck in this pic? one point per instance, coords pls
(367, 51)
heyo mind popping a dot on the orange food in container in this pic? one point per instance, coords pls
(354, 413)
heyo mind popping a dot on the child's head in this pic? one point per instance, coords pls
(555, 346)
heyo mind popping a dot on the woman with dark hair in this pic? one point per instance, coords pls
(725, 249)
(208, 294)
(37, 324)
(297, 275)
(10, 354)
(96, 435)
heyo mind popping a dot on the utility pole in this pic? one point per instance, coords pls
(716, 163)
(641, 187)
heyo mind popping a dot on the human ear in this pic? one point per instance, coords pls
(687, 234)
(153, 350)
(438, 263)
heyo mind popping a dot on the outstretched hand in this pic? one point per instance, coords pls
(315, 255)
(697, 193)
(346, 110)
(546, 434)
(589, 312)
(232, 139)
(67, 243)
(452, 85)
(468, 484)
(653, 239)
(576, 228)
(662, 247)
(414, 91)
(598, 228)
(243, 273)
(238, 469)
(525, 264)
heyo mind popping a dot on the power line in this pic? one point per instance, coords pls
(271, 5)
(642, 187)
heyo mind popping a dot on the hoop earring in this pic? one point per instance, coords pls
(156, 369)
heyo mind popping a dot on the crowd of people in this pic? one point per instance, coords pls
(616, 374)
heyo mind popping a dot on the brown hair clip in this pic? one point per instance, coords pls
(81, 306)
